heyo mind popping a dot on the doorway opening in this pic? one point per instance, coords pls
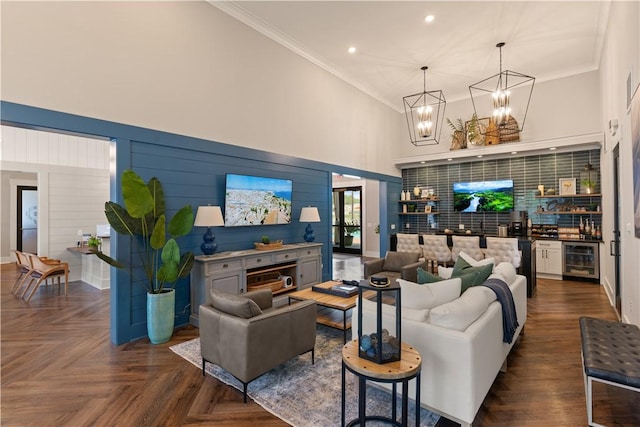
(347, 220)
(615, 243)
(27, 219)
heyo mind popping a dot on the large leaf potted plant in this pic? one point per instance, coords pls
(143, 218)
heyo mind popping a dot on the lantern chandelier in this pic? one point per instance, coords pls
(425, 114)
(501, 87)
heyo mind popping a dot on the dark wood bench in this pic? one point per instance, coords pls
(610, 355)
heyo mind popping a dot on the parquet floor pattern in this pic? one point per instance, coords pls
(58, 368)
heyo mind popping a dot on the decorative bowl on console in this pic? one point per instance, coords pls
(268, 246)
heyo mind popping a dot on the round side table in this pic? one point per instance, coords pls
(401, 371)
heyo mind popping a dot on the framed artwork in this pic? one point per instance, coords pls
(567, 186)
(635, 165)
(426, 193)
(427, 209)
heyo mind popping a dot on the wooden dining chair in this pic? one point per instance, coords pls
(24, 270)
(44, 269)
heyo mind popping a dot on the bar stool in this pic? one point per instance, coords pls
(436, 251)
(467, 244)
(504, 249)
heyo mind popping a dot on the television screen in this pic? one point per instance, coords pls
(255, 200)
(483, 196)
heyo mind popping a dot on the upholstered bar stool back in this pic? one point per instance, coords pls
(467, 244)
(435, 250)
(503, 249)
(408, 243)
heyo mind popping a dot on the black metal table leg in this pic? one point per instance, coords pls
(343, 396)
(405, 402)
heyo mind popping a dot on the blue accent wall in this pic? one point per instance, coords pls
(192, 171)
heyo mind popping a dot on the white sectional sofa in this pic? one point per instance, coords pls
(458, 366)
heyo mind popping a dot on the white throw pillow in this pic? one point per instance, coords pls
(428, 295)
(506, 270)
(419, 315)
(472, 261)
(462, 312)
(445, 272)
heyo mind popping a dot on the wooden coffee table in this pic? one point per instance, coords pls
(329, 306)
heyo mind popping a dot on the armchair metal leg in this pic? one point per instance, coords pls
(203, 362)
(244, 391)
(313, 356)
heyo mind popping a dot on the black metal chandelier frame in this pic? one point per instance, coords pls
(417, 114)
(504, 81)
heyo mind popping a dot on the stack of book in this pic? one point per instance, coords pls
(340, 290)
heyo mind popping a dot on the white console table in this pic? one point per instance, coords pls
(228, 271)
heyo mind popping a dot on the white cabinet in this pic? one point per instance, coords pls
(239, 271)
(309, 267)
(549, 259)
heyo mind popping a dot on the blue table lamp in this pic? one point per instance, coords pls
(309, 214)
(209, 216)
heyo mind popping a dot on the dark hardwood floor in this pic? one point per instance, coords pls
(58, 368)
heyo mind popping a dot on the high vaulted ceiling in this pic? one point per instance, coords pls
(544, 39)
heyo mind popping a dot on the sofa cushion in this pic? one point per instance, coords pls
(234, 305)
(462, 267)
(445, 272)
(507, 271)
(419, 315)
(475, 263)
(417, 296)
(468, 278)
(394, 261)
(462, 312)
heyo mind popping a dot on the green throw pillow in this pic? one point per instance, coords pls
(463, 268)
(469, 279)
(426, 277)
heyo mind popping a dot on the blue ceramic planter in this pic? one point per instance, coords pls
(160, 316)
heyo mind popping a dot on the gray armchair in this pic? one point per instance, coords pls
(395, 265)
(246, 336)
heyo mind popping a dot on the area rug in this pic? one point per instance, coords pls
(303, 394)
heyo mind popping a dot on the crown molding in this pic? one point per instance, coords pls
(235, 10)
(588, 141)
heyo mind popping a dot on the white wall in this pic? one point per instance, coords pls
(72, 175)
(559, 108)
(188, 68)
(621, 56)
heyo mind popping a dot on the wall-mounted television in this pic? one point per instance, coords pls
(256, 200)
(483, 196)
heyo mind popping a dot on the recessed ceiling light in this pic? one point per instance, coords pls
(449, 159)
(352, 49)
(422, 162)
(479, 156)
(552, 148)
(429, 18)
(514, 152)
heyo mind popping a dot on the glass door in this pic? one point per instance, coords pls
(27, 215)
(347, 220)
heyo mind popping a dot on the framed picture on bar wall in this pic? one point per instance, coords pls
(567, 186)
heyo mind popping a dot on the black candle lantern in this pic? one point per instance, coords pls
(381, 346)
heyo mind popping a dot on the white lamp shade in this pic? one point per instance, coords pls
(209, 216)
(309, 214)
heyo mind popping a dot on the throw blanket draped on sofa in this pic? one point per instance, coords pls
(505, 298)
